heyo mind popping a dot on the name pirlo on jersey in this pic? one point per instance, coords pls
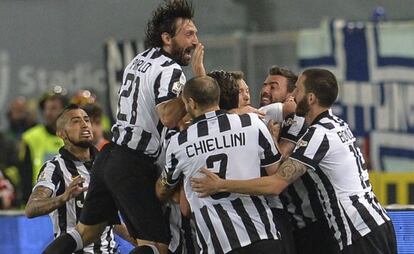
(234, 147)
(341, 179)
(150, 79)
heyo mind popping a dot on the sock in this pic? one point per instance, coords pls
(145, 249)
(64, 244)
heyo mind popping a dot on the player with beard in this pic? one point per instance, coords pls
(63, 180)
(124, 175)
(336, 173)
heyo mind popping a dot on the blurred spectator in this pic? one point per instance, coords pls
(20, 117)
(95, 115)
(83, 97)
(9, 177)
(40, 142)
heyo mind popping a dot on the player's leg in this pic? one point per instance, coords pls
(131, 179)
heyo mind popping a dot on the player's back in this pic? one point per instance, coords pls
(234, 147)
(149, 79)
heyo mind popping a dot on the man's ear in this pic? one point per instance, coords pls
(166, 39)
(60, 133)
(311, 98)
(192, 103)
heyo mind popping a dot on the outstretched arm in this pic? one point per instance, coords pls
(288, 172)
(41, 202)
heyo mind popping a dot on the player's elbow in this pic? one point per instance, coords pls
(29, 212)
(169, 121)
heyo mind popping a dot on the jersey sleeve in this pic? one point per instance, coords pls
(267, 149)
(273, 112)
(168, 84)
(172, 171)
(293, 128)
(46, 177)
(311, 148)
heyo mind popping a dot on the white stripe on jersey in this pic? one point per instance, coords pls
(149, 79)
(227, 144)
(341, 178)
(55, 175)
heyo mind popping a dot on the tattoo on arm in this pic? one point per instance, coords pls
(41, 203)
(290, 170)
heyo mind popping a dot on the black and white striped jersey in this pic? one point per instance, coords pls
(234, 147)
(56, 174)
(338, 172)
(150, 79)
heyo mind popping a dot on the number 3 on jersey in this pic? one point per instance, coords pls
(130, 111)
(222, 158)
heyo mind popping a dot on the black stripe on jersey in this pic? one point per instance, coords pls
(71, 167)
(263, 215)
(328, 126)
(168, 63)
(145, 53)
(144, 141)
(202, 129)
(313, 196)
(108, 238)
(157, 85)
(269, 157)
(41, 171)
(128, 136)
(115, 134)
(322, 150)
(335, 119)
(175, 77)
(228, 227)
(245, 120)
(174, 162)
(188, 235)
(160, 127)
(224, 123)
(247, 221)
(333, 201)
(212, 231)
(363, 212)
(358, 161)
(156, 54)
(58, 177)
(182, 137)
(354, 232)
(305, 140)
(296, 201)
(204, 248)
(377, 206)
(97, 246)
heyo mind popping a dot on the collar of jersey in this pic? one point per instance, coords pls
(69, 156)
(209, 115)
(320, 116)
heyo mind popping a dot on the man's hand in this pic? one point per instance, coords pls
(274, 129)
(197, 62)
(208, 185)
(74, 189)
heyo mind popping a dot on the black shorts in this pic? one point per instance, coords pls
(124, 180)
(284, 226)
(381, 240)
(270, 246)
(315, 238)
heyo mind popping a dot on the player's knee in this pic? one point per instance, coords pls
(145, 249)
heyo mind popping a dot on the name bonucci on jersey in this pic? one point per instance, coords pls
(234, 147)
(150, 79)
(341, 179)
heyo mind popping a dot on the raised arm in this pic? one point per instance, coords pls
(41, 202)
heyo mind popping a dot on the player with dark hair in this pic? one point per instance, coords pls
(336, 171)
(62, 181)
(225, 222)
(149, 103)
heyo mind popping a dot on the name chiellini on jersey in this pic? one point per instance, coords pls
(234, 147)
(58, 173)
(338, 171)
(151, 78)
